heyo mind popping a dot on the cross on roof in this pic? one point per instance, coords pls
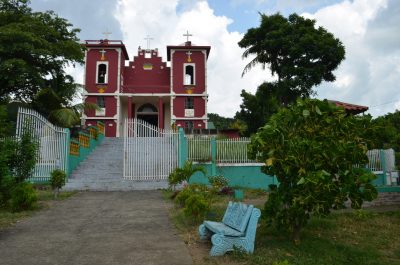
(187, 35)
(148, 39)
(106, 34)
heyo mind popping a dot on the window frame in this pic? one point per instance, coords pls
(98, 63)
(189, 102)
(194, 74)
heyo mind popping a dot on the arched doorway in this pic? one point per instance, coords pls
(148, 113)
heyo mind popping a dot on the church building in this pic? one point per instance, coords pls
(147, 88)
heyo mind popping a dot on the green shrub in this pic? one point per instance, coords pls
(23, 197)
(7, 184)
(23, 159)
(218, 182)
(57, 180)
(183, 195)
(189, 190)
(180, 175)
(196, 206)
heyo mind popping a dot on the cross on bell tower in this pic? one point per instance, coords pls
(106, 34)
(187, 35)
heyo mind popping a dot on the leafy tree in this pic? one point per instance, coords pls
(301, 55)
(256, 109)
(312, 148)
(35, 49)
(25, 157)
(219, 121)
(5, 125)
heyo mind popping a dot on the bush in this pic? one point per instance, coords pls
(196, 206)
(180, 175)
(7, 184)
(57, 180)
(185, 193)
(218, 182)
(23, 197)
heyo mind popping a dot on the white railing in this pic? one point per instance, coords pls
(149, 153)
(199, 149)
(233, 151)
(376, 160)
(52, 142)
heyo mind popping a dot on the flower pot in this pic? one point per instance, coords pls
(239, 194)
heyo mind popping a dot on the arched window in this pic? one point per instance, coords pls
(189, 75)
(102, 76)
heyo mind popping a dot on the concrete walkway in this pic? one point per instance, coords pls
(97, 228)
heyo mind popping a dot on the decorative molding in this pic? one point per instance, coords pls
(100, 118)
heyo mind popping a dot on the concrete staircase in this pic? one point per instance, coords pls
(102, 170)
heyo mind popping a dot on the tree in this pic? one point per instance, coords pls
(220, 122)
(57, 181)
(312, 148)
(35, 49)
(255, 110)
(301, 55)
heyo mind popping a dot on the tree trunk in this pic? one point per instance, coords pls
(56, 190)
(296, 234)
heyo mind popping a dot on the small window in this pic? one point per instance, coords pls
(189, 103)
(189, 74)
(100, 102)
(189, 125)
(102, 73)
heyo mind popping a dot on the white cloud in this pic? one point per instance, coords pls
(370, 73)
(161, 20)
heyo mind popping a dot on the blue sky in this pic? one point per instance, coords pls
(369, 29)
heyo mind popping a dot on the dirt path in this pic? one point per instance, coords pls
(97, 228)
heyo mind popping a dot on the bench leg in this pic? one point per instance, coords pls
(204, 232)
(222, 244)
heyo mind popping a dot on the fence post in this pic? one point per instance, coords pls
(383, 165)
(213, 156)
(67, 143)
(182, 148)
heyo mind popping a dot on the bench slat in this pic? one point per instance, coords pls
(237, 216)
(220, 228)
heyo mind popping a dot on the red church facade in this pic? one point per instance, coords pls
(146, 87)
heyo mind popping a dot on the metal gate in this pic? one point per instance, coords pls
(150, 153)
(53, 143)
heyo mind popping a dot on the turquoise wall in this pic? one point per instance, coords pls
(237, 176)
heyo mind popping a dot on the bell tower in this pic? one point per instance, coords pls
(104, 60)
(189, 84)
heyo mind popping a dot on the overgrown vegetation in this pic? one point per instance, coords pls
(313, 149)
(343, 238)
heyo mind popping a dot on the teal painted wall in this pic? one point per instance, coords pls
(237, 176)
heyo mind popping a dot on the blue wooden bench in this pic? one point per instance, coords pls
(237, 229)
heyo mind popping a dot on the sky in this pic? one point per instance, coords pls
(369, 30)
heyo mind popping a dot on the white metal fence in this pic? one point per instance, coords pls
(381, 160)
(52, 140)
(199, 149)
(149, 153)
(233, 151)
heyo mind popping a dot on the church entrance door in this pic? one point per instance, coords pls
(149, 118)
(148, 113)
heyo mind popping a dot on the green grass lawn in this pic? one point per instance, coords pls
(351, 237)
(45, 200)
